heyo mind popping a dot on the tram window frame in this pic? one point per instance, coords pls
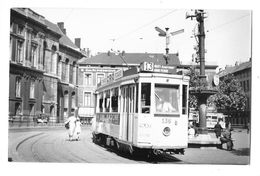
(184, 99)
(136, 97)
(114, 102)
(167, 104)
(101, 102)
(107, 101)
(146, 98)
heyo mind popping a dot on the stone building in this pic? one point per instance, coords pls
(43, 67)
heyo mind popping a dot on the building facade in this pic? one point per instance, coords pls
(43, 67)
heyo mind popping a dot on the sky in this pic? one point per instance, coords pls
(228, 32)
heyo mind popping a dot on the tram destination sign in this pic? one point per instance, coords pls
(151, 67)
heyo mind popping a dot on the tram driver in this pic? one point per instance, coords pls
(162, 105)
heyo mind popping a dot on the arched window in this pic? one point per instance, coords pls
(59, 67)
(67, 70)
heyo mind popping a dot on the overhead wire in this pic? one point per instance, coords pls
(133, 31)
(228, 22)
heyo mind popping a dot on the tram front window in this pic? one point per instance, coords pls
(166, 98)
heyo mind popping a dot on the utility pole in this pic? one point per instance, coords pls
(204, 94)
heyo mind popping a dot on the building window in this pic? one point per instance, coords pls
(32, 88)
(73, 100)
(18, 87)
(66, 99)
(11, 27)
(52, 111)
(31, 110)
(65, 112)
(33, 55)
(74, 73)
(67, 70)
(19, 54)
(87, 99)
(88, 79)
(59, 66)
(18, 109)
(100, 76)
(20, 30)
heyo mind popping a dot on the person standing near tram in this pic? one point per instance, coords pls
(71, 122)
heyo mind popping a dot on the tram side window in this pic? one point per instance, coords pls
(136, 99)
(114, 103)
(184, 99)
(101, 104)
(146, 97)
(107, 101)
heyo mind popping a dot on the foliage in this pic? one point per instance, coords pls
(230, 96)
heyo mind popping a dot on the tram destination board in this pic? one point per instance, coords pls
(151, 67)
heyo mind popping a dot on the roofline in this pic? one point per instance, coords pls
(78, 52)
(29, 18)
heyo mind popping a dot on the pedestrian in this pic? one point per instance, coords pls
(226, 137)
(191, 131)
(218, 129)
(77, 128)
(71, 121)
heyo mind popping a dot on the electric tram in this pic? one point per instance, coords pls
(143, 110)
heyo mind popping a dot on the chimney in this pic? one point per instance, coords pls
(77, 42)
(61, 26)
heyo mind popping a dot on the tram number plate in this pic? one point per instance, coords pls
(166, 121)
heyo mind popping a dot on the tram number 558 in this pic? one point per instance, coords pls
(166, 121)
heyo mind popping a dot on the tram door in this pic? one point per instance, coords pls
(128, 109)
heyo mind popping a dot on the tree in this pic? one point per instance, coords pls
(230, 96)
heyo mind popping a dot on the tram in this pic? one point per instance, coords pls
(143, 110)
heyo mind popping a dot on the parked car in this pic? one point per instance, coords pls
(42, 119)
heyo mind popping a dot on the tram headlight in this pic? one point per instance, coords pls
(166, 131)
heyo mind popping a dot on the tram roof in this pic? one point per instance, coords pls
(132, 59)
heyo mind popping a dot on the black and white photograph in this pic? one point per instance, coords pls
(129, 86)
